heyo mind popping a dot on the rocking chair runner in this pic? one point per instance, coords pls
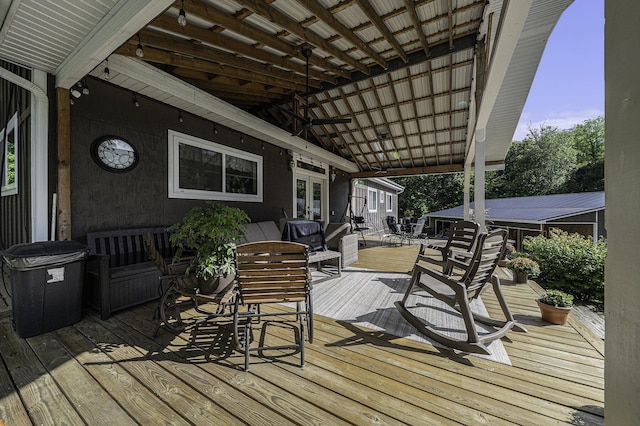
(477, 270)
(272, 272)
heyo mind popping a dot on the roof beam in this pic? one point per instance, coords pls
(328, 18)
(115, 28)
(375, 19)
(411, 8)
(439, 50)
(279, 18)
(211, 13)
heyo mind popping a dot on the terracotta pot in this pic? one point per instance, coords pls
(215, 284)
(554, 314)
(519, 277)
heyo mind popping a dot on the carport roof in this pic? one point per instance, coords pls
(536, 209)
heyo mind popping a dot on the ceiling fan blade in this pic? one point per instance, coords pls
(331, 121)
(300, 130)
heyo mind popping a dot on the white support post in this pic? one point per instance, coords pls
(467, 190)
(479, 179)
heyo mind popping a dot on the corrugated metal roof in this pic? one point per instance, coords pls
(542, 208)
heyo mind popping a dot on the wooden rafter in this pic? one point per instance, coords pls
(411, 8)
(416, 115)
(378, 22)
(296, 28)
(398, 112)
(328, 18)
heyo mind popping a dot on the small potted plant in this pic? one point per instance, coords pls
(211, 233)
(522, 268)
(555, 306)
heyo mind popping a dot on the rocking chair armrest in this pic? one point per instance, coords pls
(455, 285)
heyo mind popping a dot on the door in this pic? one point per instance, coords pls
(309, 197)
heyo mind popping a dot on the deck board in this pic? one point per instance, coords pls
(352, 375)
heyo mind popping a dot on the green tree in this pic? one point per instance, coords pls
(539, 165)
(588, 139)
(428, 193)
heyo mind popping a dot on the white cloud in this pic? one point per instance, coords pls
(563, 121)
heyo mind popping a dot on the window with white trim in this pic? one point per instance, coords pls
(10, 165)
(204, 170)
(389, 202)
(372, 200)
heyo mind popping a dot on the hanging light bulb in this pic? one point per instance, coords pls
(215, 129)
(180, 119)
(241, 138)
(106, 74)
(182, 16)
(85, 88)
(71, 102)
(75, 93)
(139, 49)
(135, 101)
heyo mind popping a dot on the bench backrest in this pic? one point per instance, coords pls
(126, 246)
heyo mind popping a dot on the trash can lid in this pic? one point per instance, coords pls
(44, 253)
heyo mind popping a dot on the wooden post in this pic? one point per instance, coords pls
(64, 164)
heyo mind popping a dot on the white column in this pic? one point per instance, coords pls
(479, 179)
(39, 151)
(467, 189)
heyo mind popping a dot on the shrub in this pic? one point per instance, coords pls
(571, 263)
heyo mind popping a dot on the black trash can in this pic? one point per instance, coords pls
(46, 285)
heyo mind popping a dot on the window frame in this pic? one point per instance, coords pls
(389, 201)
(372, 205)
(174, 191)
(12, 128)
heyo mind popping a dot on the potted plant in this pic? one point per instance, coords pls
(210, 233)
(555, 306)
(522, 268)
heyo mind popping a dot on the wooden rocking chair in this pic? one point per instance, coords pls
(272, 272)
(476, 271)
(462, 238)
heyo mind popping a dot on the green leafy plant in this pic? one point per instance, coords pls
(557, 298)
(524, 265)
(211, 233)
(571, 263)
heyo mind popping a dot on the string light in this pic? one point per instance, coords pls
(241, 138)
(85, 88)
(139, 49)
(182, 16)
(215, 129)
(180, 119)
(135, 101)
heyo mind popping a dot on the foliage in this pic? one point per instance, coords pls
(524, 265)
(588, 178)
(520, 254)
(539, 165)
(588, 140)
(428, 193)
(557, 298)
(570, 262)
(211, 233)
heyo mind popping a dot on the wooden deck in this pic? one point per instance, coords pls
(112, 372)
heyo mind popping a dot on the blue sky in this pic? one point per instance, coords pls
(569, 84)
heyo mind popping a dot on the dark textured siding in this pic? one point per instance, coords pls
(15, 224)
(102, 201)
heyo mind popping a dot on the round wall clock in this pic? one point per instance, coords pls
(114, 154)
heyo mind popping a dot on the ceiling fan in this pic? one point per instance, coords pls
(307, 121)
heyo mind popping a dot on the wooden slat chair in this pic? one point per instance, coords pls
(178, 289)
(272, 272)
(476, 272)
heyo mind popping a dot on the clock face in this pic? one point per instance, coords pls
(114, 154)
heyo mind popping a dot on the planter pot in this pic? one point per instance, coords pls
(554, 314)
(519, 277)
(215, 284)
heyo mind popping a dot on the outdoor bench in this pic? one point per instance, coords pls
(119, 273)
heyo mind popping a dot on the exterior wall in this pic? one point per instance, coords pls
(361, 206)
(622, 193)
(15, 210)
(101, 200)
